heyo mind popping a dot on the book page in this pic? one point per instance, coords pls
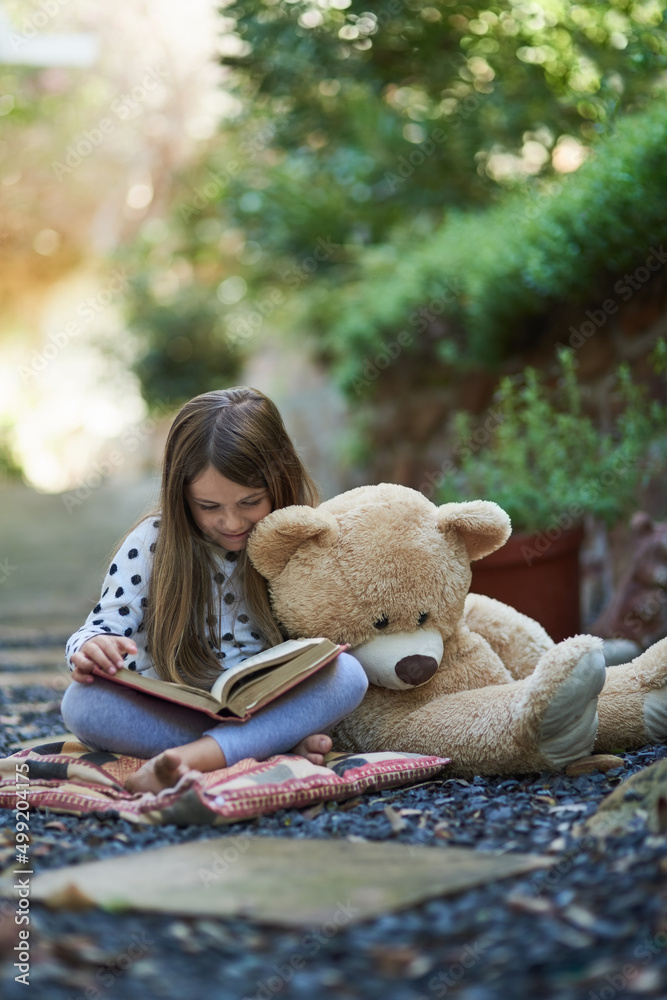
(253, 691)
(180, 693)
(260, 661)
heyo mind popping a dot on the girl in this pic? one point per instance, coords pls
(182, 602)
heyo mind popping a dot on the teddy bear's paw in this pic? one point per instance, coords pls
(570, 722)
(655, 715)
(649, 674)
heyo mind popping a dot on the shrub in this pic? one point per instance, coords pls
(546, 459)
(556, 241)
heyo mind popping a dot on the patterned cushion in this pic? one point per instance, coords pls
(67, 777)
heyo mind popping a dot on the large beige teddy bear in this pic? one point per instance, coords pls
(452, 673)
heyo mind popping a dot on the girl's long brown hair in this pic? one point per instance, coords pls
(240, 433)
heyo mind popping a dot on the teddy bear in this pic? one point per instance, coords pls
(453, 674)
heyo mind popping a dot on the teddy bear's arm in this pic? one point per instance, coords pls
(482, 731)
(518, 640)
(543, 722)
(633, 702)
(477, 729)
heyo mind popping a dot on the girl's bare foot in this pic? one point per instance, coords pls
(314, 747)
(163, 771)
(167, 768)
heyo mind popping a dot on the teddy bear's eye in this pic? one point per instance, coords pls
(381, 622)
(422, 618)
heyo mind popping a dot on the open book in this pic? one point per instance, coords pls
(242, 690)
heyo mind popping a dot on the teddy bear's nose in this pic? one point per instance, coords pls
(416, 669)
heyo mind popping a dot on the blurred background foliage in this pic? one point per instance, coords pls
(490, 158)
(357, 87)
(357, 181)
(546, 462)
(508, 265)
(383, 213)
(90, 151)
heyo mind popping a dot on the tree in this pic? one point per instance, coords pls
(397, 136)
(391, 110)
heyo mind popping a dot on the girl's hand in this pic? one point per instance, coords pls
(103, 651)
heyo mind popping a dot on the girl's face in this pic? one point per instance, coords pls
(224, 511)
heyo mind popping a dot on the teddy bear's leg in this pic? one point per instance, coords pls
(538, 724)
(633, 703)
(563, 692)
(518, 640)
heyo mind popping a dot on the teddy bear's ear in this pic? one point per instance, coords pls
(275, 539)
(482, 524)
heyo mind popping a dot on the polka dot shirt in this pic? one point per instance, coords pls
(121, 608)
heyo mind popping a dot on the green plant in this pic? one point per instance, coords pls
(386, 110)
(490, 272)
(547, 463)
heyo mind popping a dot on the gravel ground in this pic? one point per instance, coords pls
(592, 928)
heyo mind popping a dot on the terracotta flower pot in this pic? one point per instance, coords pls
(538, 575)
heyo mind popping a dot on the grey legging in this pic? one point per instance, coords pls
(106, 716)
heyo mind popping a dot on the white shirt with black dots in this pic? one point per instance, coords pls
(122, 606)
